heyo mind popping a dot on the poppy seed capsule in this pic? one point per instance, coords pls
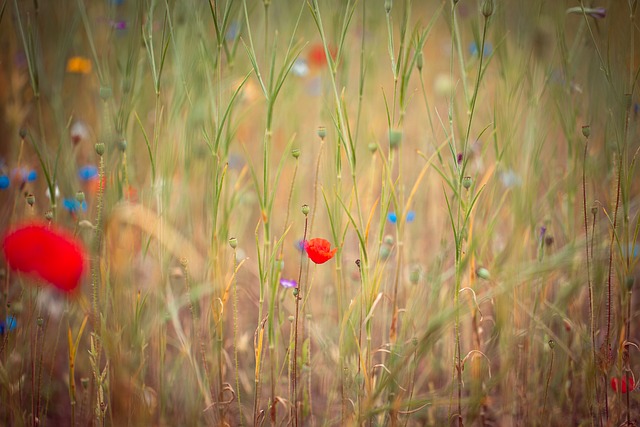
(483, 273)
(466, 182)
(305, 210)
(80, 196)
(322, 132)
(395, 137)
(586, 131)
(233, 242)
(31, 199)
(105, 93)
(100, 148)
(295, 153)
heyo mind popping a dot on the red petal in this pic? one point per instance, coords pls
(319, 250)
(46, 253)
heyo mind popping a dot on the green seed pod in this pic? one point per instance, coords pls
(40, 321)
(291, 319)
(100, 148)
(295, 292)
(466, 182)
(105, 93)
(122, 145)
(305, 210)
(48, 215)
(420, 61)
(388, 4)
(80, 196)
(295, 153)
(31, 199)
(552, 344)
(586, 131)
(395, 137)
(233, 242)
(388, 240)
(384, 252)
(322, 132)
(483, 273)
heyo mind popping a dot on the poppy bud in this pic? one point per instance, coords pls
(80, 196)
(487, 8)
(586, 131)
(233, 242)
(31, 199)
(295, 153)
(100, 148)
(305, 210)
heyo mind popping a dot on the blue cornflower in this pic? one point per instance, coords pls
(9, 325)
(88, 172)
(73, 206)
(4, 182)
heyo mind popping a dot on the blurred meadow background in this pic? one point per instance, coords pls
(472, 162)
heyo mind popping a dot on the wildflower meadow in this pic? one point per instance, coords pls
(319, 213)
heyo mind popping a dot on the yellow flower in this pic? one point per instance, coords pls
(79, 65)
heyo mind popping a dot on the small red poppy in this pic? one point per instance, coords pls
(47, 253)
(319, 250)
(623, 384)
(317, 57)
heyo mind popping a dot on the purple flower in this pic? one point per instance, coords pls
(459, 158)
(285, 283)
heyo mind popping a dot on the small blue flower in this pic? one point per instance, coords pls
(300, 245)
(73, 206)
(32, 176)
(4, 182)
(233, 31)
(473, 49)
(393, 218)
(285, 283)
(9, 325)
(87, 173)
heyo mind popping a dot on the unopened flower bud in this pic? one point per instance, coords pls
(100, 148)
(31, 199)
(233, 242)
(295, 153)
(586, 131)
(388, 4)
(487, 8)
(80, 196)
(305, 210)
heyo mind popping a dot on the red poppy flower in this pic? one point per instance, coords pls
(623, 384)
(317, 57)
(319, 250)
(49, 254)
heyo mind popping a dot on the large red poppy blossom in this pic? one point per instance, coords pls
(319, 250)
(43, 252)
(623, 384)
